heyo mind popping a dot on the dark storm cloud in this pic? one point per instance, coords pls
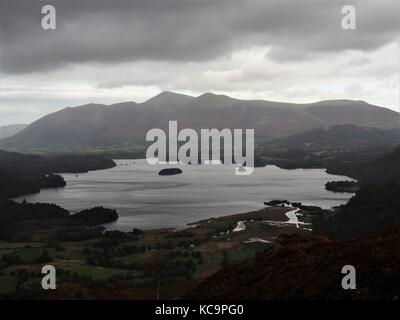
(179, 31)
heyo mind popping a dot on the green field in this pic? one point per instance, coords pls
(20, 245)
(99, 273)
(30, 254)
(7, 284)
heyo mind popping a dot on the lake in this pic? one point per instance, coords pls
(146, 200)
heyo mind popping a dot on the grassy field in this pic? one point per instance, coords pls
(100, 273)
(30, 254)
(20, 245)
(7, 284)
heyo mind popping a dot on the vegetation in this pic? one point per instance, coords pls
(24, 174)
(370, 224)
(374, 208)
(308, 267)
(94, 216)
(19, 221)
(94, 263)
(342, 186)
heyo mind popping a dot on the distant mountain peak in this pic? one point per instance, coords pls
(215, 100)
(209, 94)
(167, 96)
(342, 102)
(214, 95)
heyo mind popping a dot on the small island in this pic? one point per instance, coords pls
(170, 171)
(342, 186)
(276, 202)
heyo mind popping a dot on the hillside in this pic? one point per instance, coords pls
(385, 168)
(97, 125)
(309, 267)
(359, 113)
(374, 208)
(344, 136)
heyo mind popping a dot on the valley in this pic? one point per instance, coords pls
(183, 151)
(175, 236)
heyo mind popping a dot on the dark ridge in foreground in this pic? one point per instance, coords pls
(309, 267)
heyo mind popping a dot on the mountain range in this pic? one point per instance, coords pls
(94, 125)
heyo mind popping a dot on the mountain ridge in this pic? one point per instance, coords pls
(128, 122)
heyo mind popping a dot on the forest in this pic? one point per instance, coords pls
(22, 174)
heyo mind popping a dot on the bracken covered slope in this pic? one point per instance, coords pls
(307, 267)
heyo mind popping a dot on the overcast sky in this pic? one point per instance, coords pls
(114, 51)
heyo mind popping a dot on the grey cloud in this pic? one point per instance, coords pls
(184, 31)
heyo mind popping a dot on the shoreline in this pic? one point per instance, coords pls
(127, 184)
(264, 224)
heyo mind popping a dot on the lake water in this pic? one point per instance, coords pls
(146, 200)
